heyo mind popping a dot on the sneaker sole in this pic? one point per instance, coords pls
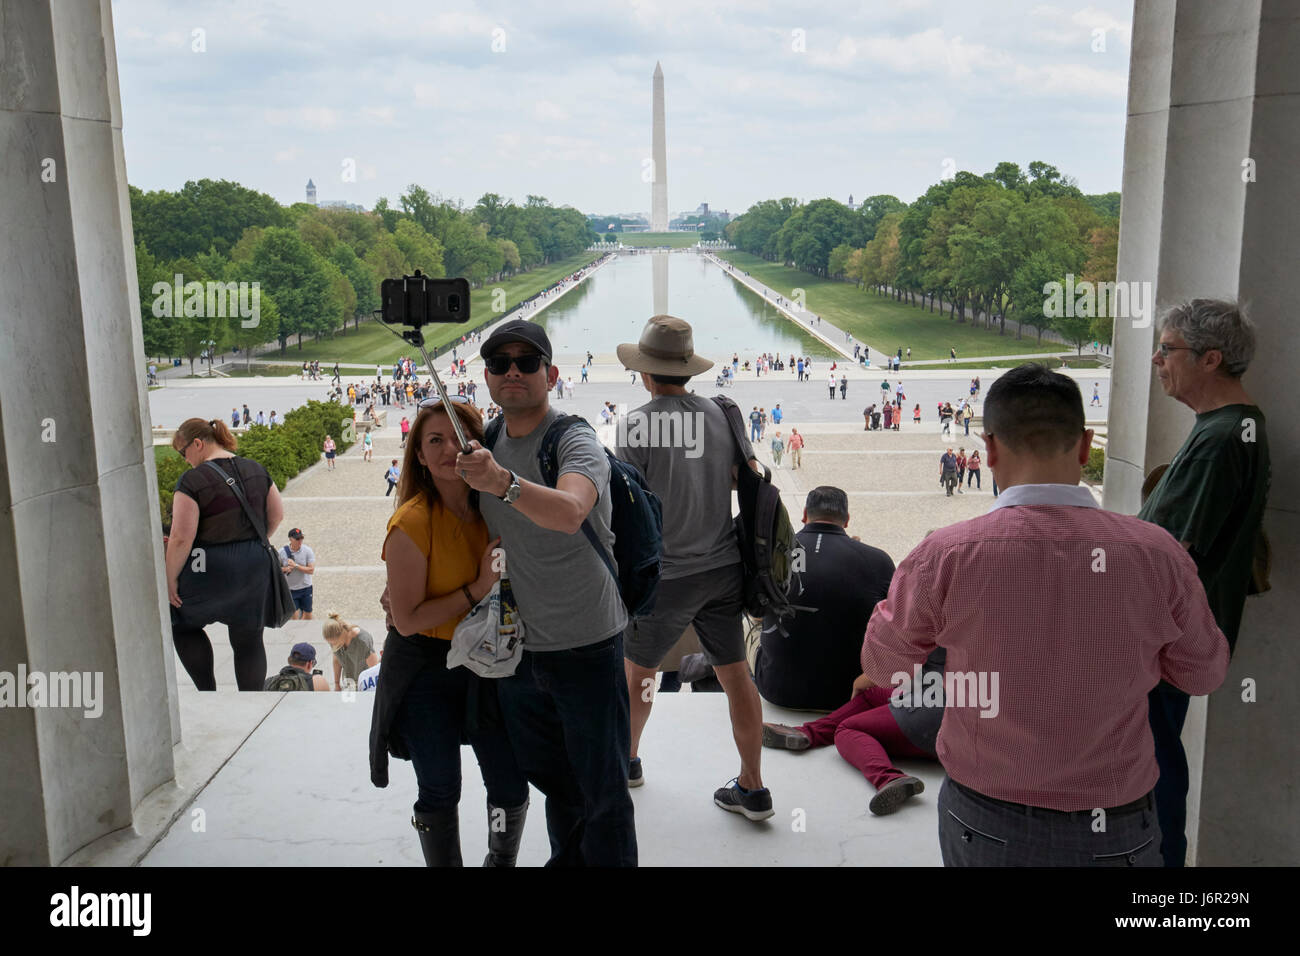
(635, 782)
(755, 815)
(888, 801)
(780, 741)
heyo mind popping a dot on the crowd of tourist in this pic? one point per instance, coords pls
(1034, 739)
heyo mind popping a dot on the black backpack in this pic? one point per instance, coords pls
(289, 678)
(763, 530)
(636, 517)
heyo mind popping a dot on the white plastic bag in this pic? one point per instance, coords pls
(490, 640)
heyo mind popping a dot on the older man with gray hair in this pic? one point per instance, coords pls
(1211, 499)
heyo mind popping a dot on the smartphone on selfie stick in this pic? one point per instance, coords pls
(417, 300)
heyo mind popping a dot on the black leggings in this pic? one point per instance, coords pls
(195, 651)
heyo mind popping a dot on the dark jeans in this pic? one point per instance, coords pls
(1167, 710)
(432, 721)
(567, 714)
(973, 475)
(977, 831)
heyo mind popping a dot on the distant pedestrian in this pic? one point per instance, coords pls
(961, 468)
(778, 448)
(1096, 394)
(832, 384)
(273, 422)
(844, 387)
(391, 475)
(406, 430)
(973, 468)
(777, 414)
(916, 414)
(330, 450)
(796, 448)
(755, 424)
(247, 417)
(952, 354)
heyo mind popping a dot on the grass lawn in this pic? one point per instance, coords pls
(881, 322)
(263, 371)
(1007, 363)
(375, 344)
(674, 240)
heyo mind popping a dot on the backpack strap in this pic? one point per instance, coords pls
(548, 460)
(732, 413)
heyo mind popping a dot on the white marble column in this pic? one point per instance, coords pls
(80, 551)
(1212, 85)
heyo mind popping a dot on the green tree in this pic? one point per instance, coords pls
(365, 286)
(419, 249)
(299, 281)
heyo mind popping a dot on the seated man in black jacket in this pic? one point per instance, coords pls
(812, 665)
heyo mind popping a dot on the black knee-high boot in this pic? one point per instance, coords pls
(505, 830)
(439, 836)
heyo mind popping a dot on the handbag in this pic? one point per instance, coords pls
(490, 639)
(281, 608)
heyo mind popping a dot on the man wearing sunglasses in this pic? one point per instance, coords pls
(1211, 498)
(566, 707)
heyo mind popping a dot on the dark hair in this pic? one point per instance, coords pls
(1035, 411)
(214, 431)
(415, 478)
(670, 379)
(826, 502)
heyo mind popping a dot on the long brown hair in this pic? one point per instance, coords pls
(415, 478)
(213, 430)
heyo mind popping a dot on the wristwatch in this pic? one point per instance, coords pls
(513, 492)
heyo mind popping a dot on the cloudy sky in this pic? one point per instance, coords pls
(763, 99)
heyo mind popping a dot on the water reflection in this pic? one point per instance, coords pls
(612, 306)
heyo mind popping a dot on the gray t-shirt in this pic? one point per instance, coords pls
(692, 477)
(303, 556)
(353, 656)
(566, 595)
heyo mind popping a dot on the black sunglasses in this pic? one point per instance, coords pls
(500, 364)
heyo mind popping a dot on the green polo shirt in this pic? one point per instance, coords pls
(1213, 496)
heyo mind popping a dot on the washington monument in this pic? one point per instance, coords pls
(659, 190)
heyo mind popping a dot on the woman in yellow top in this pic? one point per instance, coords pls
(440, 564)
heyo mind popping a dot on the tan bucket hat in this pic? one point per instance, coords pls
(666, 348)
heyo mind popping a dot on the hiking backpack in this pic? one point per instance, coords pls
(636, 516)
(289, 678)
(763, 530)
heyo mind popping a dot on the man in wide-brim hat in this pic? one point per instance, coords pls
(684, 446)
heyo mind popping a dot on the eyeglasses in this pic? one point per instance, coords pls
(1164, 348)
(436, 401)
(500, 364)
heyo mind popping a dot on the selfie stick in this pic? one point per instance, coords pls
(416, 338)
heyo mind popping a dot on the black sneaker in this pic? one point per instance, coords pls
(634, 778)
(894, 794)
(754, 804)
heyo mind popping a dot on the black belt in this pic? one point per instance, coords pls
(1144, 802)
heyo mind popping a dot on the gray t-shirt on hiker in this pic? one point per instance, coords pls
(303, 557)
(353, 657)
(692, 478)
(565, 593)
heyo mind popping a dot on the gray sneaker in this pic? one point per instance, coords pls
(785, 737)
(894, 794)
(634, 777)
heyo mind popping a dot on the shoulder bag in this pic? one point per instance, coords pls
(281, 607)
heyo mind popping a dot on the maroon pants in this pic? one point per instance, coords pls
(866, 735)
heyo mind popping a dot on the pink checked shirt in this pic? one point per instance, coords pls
(1078, 612)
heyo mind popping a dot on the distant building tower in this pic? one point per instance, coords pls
(851, 206)
(311, 192)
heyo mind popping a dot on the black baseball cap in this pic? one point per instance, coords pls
(518, 330)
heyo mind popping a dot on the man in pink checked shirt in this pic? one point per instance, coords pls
(1069, 615)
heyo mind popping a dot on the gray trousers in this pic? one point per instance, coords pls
(977, 831)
